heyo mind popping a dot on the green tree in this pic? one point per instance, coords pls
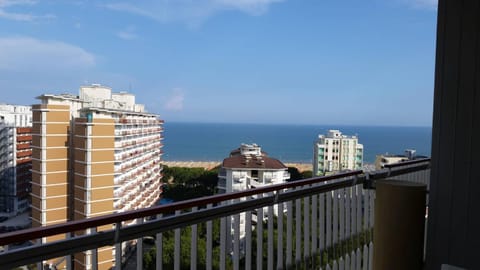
(294, 174)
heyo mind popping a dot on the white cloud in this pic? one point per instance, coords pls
(26, 17)
(29, 54)
(6, 3)
(175, 101)
(422, 4)
(192, 12)
(128, 33)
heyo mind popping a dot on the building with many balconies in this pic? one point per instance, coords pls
(249, 167)
(336, 152)
(15, 158)
(94, 154)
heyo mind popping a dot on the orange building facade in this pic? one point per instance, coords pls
(94, 154)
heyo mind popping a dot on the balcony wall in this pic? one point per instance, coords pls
(453, 233)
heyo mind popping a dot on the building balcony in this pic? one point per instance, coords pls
(24, 160)
(23, 146)
(325, 222)
(22, 154)
(23, 130)
(24, 138)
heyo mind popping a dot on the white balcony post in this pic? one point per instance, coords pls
(298, 231)
(306, 230)
(140, 248)
(208, 259)
(193, 244)
(248, 240)
(280, 214)
(270, 238)
(236, 239)
(288, 255)
(159, 248)
(260, 235)
(177, 248)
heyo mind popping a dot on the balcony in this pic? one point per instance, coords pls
(24, 138)
(23, 146)
(319, 222)
(22, 154)
(22, 130)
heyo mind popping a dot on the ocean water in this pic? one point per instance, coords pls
(288, 143)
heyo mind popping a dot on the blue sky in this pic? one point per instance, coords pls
(248, 61)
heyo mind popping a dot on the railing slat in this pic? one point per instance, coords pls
(223, 242)
(159, 248)
(335, 220)
(208, 243)
(236, 240)
(321, 220)
(94, 252)
(177, 250)
(328, 215)
(370, 256)
(347, 262)
(353, 259)
(365, 257)
(248, 240)
(348, 215)
(140, 249)
(288, 255)
(342, 220)
(298, 232)
(314, 228)
(280, 214)
(371, 208)
(118, 247)
(306, 230)
(359, 208)
(353, 216)
(260, 236)
(193, 244)
(270, 241)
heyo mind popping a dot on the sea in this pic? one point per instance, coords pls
(288, 143)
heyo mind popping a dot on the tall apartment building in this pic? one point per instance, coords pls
(15, 158)
(93, 154)
(336, 152)
(249, 167)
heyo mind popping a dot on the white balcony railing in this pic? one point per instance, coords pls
(320, 222)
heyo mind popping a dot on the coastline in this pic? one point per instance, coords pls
(208, 165)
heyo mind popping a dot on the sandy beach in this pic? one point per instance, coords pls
(212, 164)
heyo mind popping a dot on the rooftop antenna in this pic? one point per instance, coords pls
(130, 87)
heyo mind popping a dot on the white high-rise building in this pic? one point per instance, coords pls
(249, 167)
(15, 158)
(336, 152)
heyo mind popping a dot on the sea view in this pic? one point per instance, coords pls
(239, 134)
(288, 143)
